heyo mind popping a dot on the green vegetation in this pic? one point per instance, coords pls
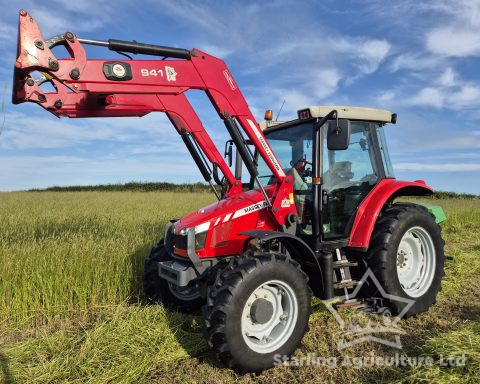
(71, 308)
(139, 186)
(135, 186)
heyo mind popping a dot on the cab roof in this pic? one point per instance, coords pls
(348, 112)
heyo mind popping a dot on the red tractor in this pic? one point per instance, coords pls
(317, 211)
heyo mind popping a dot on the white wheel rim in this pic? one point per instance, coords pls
(271, 335)
(188, 293)
(416, 261)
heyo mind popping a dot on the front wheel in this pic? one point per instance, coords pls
(257, 311)
(156, 289)
(406, 255)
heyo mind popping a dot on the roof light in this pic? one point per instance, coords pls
(268, 115)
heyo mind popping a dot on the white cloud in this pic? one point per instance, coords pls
(448, 78)
(7, 32)
(457, 97)
(458, 32)
(452, 41)
(440, 90)
(367, 54)
(24, 130)
(326, 82)
(385, 97)
(298, 52)
(414, 61)
(197, 14)
(215, 50)
(429, 96)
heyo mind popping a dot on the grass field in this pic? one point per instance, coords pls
(71, 309)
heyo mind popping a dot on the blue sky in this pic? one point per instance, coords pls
(419, 59)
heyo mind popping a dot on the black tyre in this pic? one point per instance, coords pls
(406, 256)
(157, 289)
(257, 311)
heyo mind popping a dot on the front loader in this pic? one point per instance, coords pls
(318, 210)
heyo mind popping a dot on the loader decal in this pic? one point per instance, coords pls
(230, 80)
(266, 147)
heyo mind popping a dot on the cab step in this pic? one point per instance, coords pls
(349, 283)
(350, 304)
(344, 263)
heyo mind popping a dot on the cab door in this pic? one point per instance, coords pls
(348, 176)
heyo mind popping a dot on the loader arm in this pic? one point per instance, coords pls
(111, 88)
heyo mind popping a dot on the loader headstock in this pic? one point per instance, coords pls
(34, 54)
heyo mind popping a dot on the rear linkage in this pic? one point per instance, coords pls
(112, 88)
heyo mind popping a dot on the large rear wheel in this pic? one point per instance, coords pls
(406, 255)
(258, 308)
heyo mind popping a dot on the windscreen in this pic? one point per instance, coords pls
(293, 147)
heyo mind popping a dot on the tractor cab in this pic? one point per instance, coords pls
(346, 173)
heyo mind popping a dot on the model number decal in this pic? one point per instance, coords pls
(169, 71)
(151, 72)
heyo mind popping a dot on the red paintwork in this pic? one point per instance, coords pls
(371, 206)
(93, 95)
(223, 235)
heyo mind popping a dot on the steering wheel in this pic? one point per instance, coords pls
(300, 166)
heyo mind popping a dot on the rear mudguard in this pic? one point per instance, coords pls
(368, 211)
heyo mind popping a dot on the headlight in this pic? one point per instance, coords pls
(201, 235)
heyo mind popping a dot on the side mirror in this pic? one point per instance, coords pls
(338, 135)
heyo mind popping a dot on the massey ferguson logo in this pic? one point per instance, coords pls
(230, 80)
(250, 209)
